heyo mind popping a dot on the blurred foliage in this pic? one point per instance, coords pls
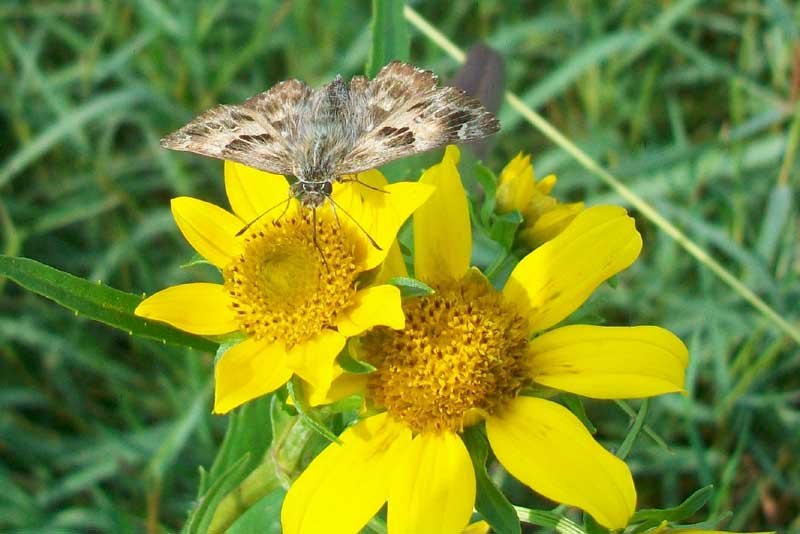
(691, 103)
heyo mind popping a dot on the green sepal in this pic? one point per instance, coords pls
(352, 365)
(411, 287)
(295, 389)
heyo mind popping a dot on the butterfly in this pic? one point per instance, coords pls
(341, 129)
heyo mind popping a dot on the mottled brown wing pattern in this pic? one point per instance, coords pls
(256, 133)
(409, 114)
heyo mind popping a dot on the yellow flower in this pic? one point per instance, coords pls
(544, 217)
(464, 356)
(295, 300)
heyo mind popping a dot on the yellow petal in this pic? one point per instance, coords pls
(547, 448)
(248, 371)
(346, 484)
(385, 213)
(433, 489)
(251, 192)
(610, 362)
(480, 527)
(550, 224)
(343, 385)
(442, 232)
(314, 359)
(379, 213)
(555, 279)
(200, 308)
(393, 266)
(208, 228)
(376, 305)
(515, 185)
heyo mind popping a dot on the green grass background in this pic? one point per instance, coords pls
(689, 103)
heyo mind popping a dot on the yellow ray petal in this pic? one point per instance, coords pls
(343, 385)
(610, 362)
(433, 489)
(248, 371)
(555, 279)
(480, 527)
(516, 185)
(546, 447)
(251, 191)
(380, 213)
(200, 308)
(442, 231)
(393, 266)
(376, 305)
(314, 359)
(208, 228)
(550, 224)
(346, 484)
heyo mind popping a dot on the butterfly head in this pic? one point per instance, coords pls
(312, 194)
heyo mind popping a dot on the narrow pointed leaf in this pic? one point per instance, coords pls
(489, 501)
(95, 301)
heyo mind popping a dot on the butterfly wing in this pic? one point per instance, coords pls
(404, 113)
(257, 132)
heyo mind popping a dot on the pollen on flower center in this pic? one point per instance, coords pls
(462, 349)
(283, 286)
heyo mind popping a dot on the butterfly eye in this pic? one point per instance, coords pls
(327, 188)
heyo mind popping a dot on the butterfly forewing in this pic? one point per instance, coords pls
(318, 135)
(257, 133)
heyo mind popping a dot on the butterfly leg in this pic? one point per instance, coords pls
(314, 238)
(356, 180)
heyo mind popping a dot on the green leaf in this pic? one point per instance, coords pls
(638, 424)
(552, 520)
(249, 431)
(390, 39)
(575, 405)
(504, 228)
(95, 301)
(683, 511)
(490, 501)
(295, 389)
(263, 517)
(593, 527)
(201, 516)
(488, 182)
(411, 287)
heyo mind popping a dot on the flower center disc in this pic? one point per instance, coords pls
(462, 349)
(284, 287)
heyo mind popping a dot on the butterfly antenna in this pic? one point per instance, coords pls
(314, 238)
(365, 184)
(335, 215)
(369, 237)
(251, 223)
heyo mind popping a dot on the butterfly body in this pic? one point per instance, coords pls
(321, 135)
